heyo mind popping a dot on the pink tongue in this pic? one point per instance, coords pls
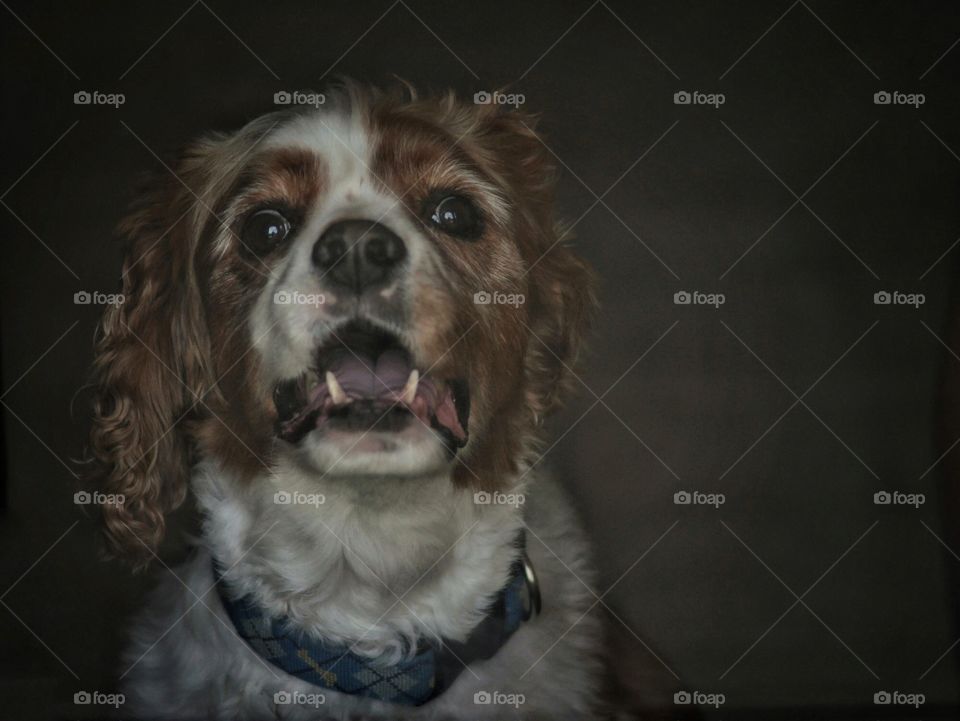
(362, 377)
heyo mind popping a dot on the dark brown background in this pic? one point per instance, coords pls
(688, 198)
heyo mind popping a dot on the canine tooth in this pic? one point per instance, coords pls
(337, 394)
(410, 389)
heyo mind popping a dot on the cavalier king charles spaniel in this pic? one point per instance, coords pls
(343, 327)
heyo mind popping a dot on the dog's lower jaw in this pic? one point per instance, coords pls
(346, 572)
(414, 453)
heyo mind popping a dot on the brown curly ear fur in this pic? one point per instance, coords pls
(562, 284)
(150, 367)
(559, 297)
(567, 302)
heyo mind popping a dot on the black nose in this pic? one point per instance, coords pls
(358, 254)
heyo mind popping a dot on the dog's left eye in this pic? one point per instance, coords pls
(264, 231)
(456, 216)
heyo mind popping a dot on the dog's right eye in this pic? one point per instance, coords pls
(454, 215)
(264, 231)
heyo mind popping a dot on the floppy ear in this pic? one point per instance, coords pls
(565, 303)
(562, 284)
(150, 368)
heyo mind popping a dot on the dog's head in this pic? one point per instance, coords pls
(376, 288)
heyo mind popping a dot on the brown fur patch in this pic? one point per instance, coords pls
(291, 176)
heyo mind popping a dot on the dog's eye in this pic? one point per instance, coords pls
(456, 216)
(264, 231)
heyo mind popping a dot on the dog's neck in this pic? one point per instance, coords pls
(373, 562)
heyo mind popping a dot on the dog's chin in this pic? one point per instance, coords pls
(410, 451)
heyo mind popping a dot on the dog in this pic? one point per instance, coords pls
(342, 330)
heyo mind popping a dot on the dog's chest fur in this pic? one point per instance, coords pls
(384, 564)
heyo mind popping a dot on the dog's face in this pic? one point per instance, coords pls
(373, 289)
(376, 232)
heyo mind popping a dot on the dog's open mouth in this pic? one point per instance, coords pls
(365, 380)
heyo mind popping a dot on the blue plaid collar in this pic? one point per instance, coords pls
(411, 682)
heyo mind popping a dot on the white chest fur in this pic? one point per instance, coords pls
(378, 567)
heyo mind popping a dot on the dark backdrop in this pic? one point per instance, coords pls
(798, 398)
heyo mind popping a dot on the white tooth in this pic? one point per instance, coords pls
(337, 394)
(410, 389)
